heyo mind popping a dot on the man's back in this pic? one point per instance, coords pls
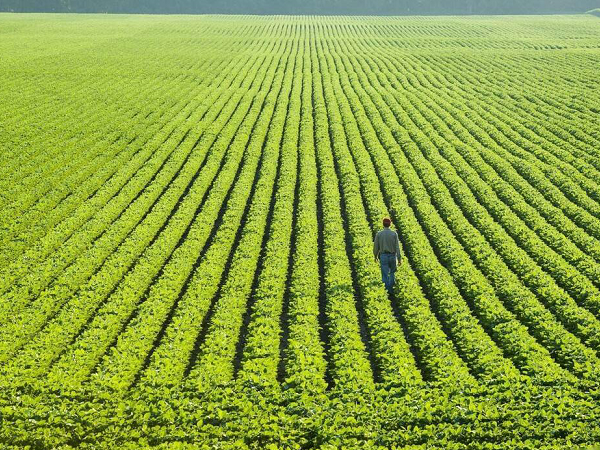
(386, 241)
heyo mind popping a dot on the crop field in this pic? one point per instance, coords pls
(187, 212)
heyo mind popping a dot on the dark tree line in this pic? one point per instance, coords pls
(367, 7)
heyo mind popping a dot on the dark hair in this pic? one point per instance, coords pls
(387, 222)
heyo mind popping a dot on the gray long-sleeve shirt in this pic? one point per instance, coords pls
(386, 240)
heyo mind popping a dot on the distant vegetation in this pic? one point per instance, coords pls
(375, 7)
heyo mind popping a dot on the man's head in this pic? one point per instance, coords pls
(387, 222)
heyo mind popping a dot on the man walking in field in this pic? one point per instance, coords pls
(386, 248)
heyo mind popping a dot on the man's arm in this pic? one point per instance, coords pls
(398, 254)
(376, 246)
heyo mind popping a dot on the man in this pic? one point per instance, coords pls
(386, 248)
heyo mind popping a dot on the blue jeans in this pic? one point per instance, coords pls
(388, 268)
